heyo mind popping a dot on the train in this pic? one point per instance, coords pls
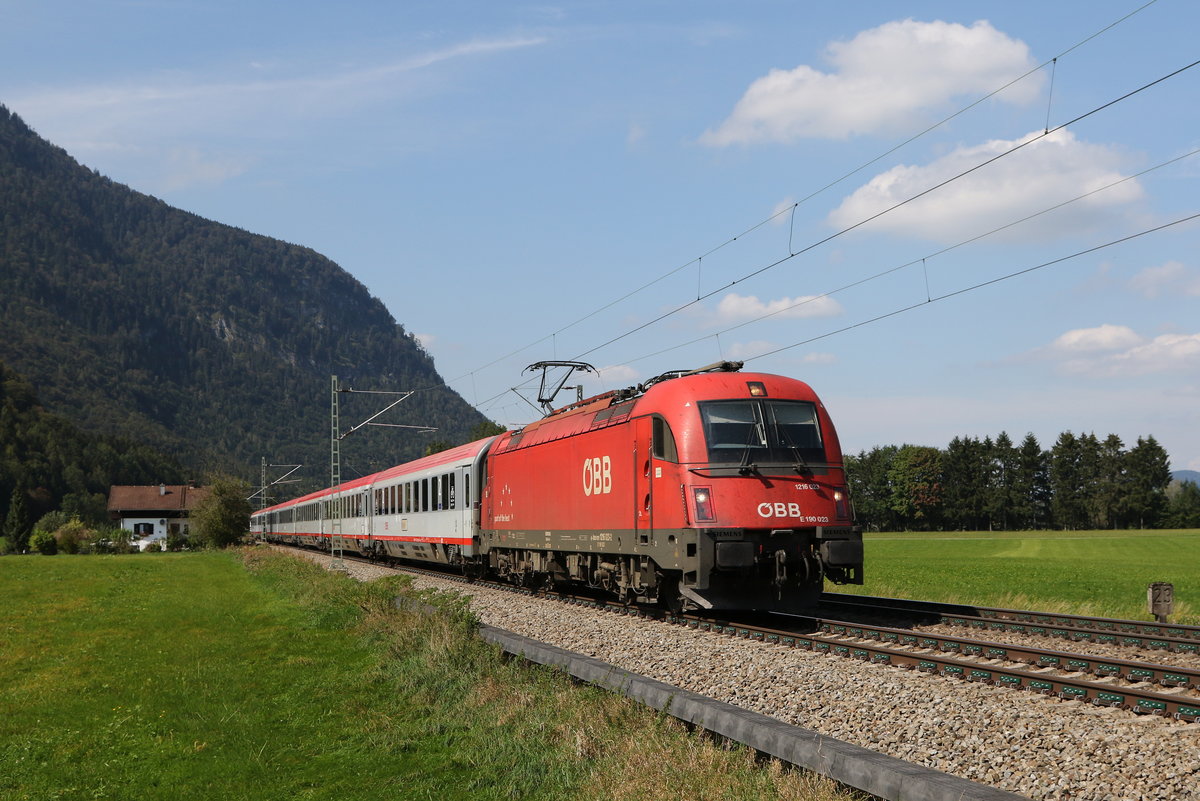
(710, 489)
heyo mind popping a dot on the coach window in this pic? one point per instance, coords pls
(452, 506)
(424, 495)
(664, 441)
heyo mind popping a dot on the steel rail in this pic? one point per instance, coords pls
(949, 657)
(969, 615)
(954, 666)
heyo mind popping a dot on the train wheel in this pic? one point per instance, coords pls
(472, 569)
(668, 594)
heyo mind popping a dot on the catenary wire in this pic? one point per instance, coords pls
(791, 208)
(980, 285)
(897, 268)
(1020, 146)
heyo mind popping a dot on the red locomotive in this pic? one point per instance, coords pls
(710, 488)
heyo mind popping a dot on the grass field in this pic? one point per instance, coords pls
(1083, 572)
(260, 676)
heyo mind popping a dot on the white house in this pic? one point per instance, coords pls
(152, 512)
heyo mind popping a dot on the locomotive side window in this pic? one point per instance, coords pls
(664, 441)
(758, 431)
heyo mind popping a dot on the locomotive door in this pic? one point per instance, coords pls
(643, 481)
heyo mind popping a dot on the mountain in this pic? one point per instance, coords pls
(1186, 475)
(212, 344)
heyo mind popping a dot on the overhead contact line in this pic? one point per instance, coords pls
(791, 209)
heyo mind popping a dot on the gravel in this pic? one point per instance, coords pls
(1035, 745)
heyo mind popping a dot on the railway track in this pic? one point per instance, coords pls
(1137, 686)
(1137, 634)
(1037, 743)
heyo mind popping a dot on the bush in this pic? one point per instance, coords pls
(74, 537)
(52, 521)
(153, 547)
(113, 539)
(44, 543)
(175, 541)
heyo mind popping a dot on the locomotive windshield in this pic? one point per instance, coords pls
(745, 432)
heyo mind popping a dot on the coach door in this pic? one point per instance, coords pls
(367, 516)
(643, 482)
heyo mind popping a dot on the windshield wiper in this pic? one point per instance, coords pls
(801, 465)
(746, 467)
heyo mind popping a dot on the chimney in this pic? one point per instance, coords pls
(162, 489)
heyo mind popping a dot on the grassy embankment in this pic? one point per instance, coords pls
(193, 677)
(1082, 572)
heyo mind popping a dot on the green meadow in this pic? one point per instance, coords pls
(256, 675)
(1082, 572)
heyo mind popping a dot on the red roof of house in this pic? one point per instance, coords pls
(156, 497)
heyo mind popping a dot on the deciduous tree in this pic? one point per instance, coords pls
(222, 518)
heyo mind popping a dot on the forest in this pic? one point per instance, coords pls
(47, 464)
(1081, 482)
(209, 343)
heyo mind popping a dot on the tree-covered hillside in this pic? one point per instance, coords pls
(136, 319)
(47, 463)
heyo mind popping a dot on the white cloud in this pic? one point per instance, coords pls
(747, 350)
(884, 78)
(426, 341)
(189, 167)
(1166, 279)
(819, 358)
(618, 374)
(1104, 337)
(1051, 170)
(738, 308)
(635, 135)
(1165, 353)
(1116, 351)
(778, 217)
(132, 115)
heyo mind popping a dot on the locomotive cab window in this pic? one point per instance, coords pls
(762, 431)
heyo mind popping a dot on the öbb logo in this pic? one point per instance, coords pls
(597, 476)
(779, 510)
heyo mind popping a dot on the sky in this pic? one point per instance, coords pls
(949, 218)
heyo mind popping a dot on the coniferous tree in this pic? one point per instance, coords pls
(1149, 471)
(17, 523)
(1067, 483)
(1111, 498)
(1001, 497)
(1091, 502)
(965, 472)
(870, 487)
(1030, 462)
